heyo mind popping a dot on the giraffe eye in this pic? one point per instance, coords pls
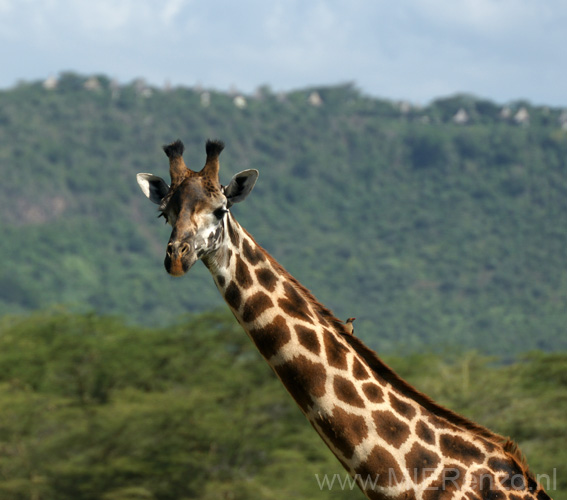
(219, 212)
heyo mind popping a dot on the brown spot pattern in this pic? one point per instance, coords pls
(515, 482)
(308, 338)
(267, 279)
(336, 351)
(424, 432)
(390, 428)
(373, 392)
(233, 235)
(380, 468)
(303, 379)
(403, 408)
(453, 478)
(232, 295)
(504, 465)
(294, 304)
(242, 274)
(209, 187)
(420, 462)
(488, 446)
(346, 391)
(532, 485)
(251, 254)
(487, 487)
(343, 430)
(406, 495)
(447, 486)
(255, 306)
(221, 281)
(456, 447)
(512, 476)
(272, 337)
(437, 422)
(358, 370)
(434, 492)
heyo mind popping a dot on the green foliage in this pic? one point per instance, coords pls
(92, 408)
(441, 234)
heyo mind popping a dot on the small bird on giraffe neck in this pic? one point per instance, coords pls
(349, 327)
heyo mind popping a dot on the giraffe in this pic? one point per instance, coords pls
(393, 440)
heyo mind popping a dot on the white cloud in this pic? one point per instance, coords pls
(171, 11)
(416, 49)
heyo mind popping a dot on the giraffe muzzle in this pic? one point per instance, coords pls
(179, 258)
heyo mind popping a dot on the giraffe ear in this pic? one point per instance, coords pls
(154, 187)
(240, 186)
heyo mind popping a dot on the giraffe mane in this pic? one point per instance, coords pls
(380, 368)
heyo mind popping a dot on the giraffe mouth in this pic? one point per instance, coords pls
(178, 265)
(176, 268)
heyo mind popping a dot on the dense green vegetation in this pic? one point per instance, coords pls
(441, 237)
(91, 408)
(432, 233)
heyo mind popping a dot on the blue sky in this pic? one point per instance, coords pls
(416, 50)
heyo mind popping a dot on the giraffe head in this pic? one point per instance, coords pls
(195, 204)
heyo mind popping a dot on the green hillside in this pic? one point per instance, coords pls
(433, 233)
(93, 409)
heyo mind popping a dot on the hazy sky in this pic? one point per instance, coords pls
(416, 50)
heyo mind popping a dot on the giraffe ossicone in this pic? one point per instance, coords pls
(395, 441)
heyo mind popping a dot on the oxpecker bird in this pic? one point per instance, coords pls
(349, 327)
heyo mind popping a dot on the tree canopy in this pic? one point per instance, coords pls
(94, 408)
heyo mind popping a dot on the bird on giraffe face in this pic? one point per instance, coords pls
(349, 327)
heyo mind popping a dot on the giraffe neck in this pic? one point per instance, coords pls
(394, 440)
(258, 289)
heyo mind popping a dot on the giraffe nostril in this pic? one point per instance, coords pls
(169, 249)
(184, 249)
